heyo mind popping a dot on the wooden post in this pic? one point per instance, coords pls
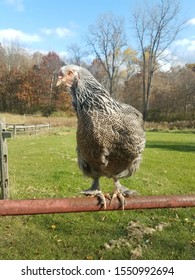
(36, 129)
(14, 130)
(4, 182)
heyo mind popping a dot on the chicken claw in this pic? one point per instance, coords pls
(121, 192)
(96, 193)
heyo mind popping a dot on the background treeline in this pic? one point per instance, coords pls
(133, 76)
(26, 84)
(25, 81)
(172, 95)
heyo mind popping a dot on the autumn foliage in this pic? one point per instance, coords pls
(28, 88)
(27, 85)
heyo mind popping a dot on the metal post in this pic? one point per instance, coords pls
(89, 204)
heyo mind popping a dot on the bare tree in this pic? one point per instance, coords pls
(16, 57)
(105, 39)
(156, 27)
(2, 59)
(77, 54)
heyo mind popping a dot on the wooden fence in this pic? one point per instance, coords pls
(4, 181)
(24, 128)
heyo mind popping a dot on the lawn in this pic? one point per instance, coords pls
(46, 166)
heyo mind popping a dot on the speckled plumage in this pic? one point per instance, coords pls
(110, 135)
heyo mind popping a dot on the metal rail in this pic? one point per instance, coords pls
(88, 204)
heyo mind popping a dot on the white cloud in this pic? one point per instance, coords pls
(180, 53)
(184, 51)
(60, 32)
(191, 47)
(17, 4)
(47, 31)
(63, 54)
(191, 21)
(13, 34)
(63, 32)
(186, 43)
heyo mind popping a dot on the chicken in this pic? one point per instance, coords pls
(110, 135)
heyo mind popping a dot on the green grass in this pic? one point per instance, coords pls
(46, 166)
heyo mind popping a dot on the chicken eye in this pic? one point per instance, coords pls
(70, 73)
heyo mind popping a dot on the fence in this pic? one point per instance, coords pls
(24, 128)
(76, 204)
(89, 204)
(4, 181)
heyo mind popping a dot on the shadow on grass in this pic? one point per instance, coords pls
(170, 146)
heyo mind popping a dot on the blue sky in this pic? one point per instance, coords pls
(48, 25)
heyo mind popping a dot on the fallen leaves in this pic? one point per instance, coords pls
(53, 227)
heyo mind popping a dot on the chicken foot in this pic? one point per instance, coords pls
(121, 192)
(94, 191)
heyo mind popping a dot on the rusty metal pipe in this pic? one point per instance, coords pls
(88, 204)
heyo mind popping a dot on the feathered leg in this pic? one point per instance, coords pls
(95, 191)
(121, 192)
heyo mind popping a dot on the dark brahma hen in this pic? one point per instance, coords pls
(110, 135)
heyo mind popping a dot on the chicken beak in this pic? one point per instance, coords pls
(59, 81)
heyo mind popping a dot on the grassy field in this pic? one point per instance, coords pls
(46, 166)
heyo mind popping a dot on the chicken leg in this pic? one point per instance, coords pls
(121, 192)
(95, 191)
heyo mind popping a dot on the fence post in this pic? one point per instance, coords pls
(14, 130)
(4, 182)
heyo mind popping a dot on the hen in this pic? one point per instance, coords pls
(110, 135)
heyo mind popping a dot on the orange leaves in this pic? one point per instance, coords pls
(24, 88)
